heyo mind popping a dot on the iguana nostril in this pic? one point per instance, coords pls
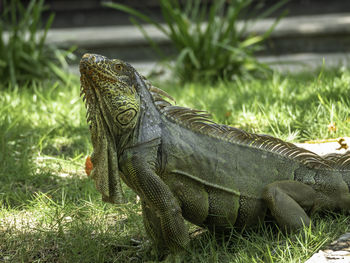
(98, 58)
(86, 56)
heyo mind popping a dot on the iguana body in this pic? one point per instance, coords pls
(184, 166)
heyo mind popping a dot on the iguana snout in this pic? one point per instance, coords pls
(113, 81)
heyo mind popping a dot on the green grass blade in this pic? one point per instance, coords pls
(272, 9)
(11, 68)
(154, 45)
(46, 29)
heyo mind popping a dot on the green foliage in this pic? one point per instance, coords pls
(24, 56)
(210, 43)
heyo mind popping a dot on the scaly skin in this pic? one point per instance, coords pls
(184, 166)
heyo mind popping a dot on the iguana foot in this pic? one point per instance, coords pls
(287, 201)
(179, 257)
(146, 249)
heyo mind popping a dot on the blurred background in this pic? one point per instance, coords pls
(72, 13)
(309, 31)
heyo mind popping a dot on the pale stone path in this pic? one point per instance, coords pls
(337, 252)
(324, 147)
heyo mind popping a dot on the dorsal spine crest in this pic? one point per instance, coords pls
(198, 121)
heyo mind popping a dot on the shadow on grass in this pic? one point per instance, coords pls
(77, 240)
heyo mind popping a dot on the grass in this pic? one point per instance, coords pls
(51, 212)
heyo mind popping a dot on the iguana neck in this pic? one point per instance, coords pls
(149, 118)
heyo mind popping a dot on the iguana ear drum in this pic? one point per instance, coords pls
(125, 117)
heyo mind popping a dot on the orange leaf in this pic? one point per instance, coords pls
(88, 166)
(332, 127)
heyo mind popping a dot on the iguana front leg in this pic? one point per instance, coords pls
(152, 223)
(287, 201)
(140, 175)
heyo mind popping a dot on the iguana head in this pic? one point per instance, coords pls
(113, 107)
(113, 83)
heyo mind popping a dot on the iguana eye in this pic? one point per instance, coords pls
(118, 67)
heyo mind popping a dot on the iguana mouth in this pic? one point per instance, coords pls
(89, 93)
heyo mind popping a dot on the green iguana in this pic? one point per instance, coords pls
(186, 167)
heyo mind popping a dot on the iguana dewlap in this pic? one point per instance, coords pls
(185, 166)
